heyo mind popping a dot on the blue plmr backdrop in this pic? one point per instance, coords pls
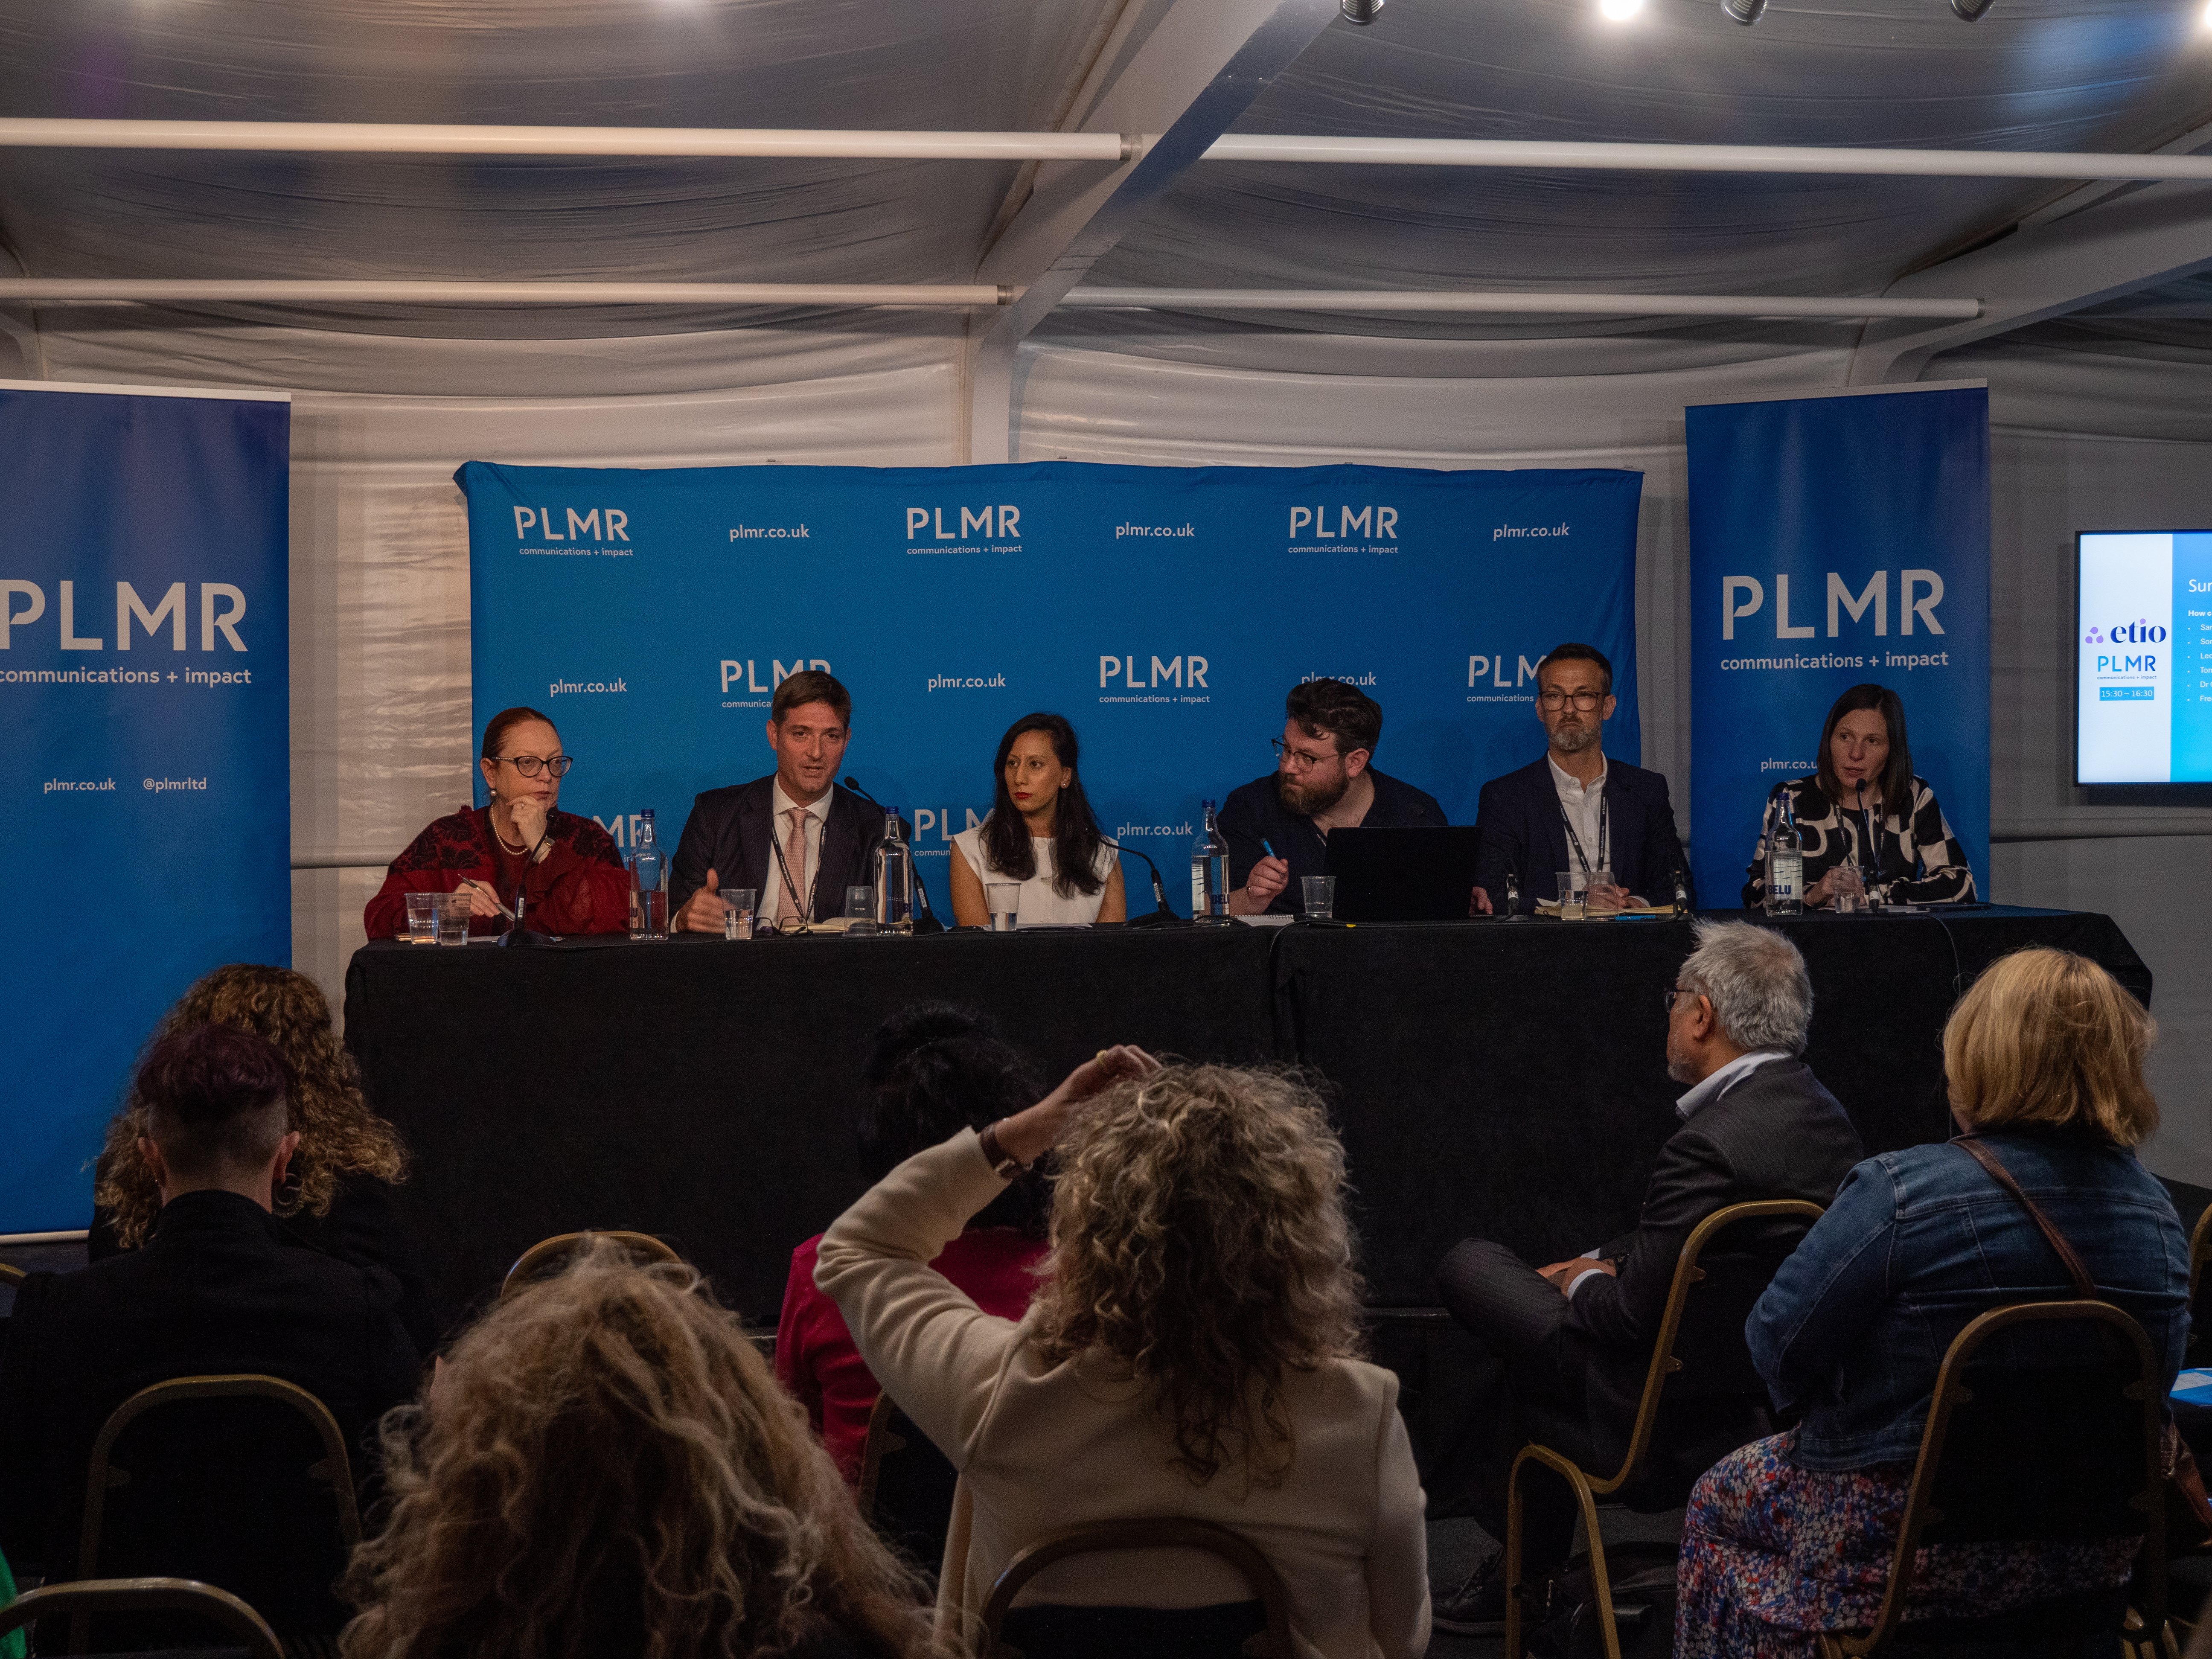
(145, 734)
(1165, 610)
(1835, 541)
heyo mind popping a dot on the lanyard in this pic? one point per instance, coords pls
(805, 907)
(1604, 837)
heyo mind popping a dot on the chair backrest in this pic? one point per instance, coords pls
(1137, 1532)
(539, 1261)
(2033, 1437)
(82, 1598)
(2200, 1313)
(210, 1477)
(907, 1485)
(12, 1274)
(1699, 1350)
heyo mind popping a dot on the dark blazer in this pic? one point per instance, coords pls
(218, 1288)
(1776, 1133)
(730, 832)
(1521, 830)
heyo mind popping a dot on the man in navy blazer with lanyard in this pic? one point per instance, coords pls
(794, 837)
(1575, 809)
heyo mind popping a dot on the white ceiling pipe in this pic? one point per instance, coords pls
(865, 144)
(1547, 304)
(146, 291)
(400, 138)
(1706, 158)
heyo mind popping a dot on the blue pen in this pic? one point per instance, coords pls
(1267, 846)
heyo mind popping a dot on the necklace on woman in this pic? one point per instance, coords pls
(501, 836)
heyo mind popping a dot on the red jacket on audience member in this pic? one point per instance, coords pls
(579, 887)
(816, 1357)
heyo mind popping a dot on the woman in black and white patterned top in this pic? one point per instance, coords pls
(1865, 795)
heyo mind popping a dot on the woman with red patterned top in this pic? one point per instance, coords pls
(564, 865)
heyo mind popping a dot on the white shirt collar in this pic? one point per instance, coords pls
(1563, 780)
(1704, 1094)
(782, 804)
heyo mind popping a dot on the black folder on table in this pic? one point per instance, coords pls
(1402, 875)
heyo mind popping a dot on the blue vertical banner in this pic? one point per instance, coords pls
(1836, 541)
(145, 694)
(1164, 610)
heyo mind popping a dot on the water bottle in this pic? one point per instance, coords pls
(1209, 872)
(1512, 895)
(648, 882)
(894, 878)
(1681, 895)
(1785, 865)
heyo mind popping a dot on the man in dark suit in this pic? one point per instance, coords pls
(1278, 827)
(1575, 809)
(1566, 1347)
(794, 837)
(219, 1287)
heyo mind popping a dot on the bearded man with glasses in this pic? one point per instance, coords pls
(563, 869)
(1610, 822)
(1277, 827)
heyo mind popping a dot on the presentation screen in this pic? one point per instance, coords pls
(2142, 685)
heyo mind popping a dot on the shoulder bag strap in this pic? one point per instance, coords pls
(2084, 1286)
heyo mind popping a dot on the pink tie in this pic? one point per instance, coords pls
(794, 853)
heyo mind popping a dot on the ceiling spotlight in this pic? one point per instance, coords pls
(1361, 12)
(1746, 12)
(1970, 11)
(1620, 11)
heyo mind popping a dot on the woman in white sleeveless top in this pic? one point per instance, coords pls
(1040, 833)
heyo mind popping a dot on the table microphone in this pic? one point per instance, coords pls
(1161, 917)
(927, 922)
(519, 937)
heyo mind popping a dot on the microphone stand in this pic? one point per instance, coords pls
(925, 921)
(1162, 916)
(519, 937)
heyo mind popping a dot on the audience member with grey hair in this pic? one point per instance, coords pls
(1565, 1347)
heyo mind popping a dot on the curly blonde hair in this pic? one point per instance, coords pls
(606, 1466)
(1199, 1236)
(338, 1134)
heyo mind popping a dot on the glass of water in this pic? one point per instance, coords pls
(1574, 889)
(453, 918)
(1005, 900)
(860, 910)
(421, 918)
(1320, 897)
(1595, 906)
(1848, 887)
(740, 905)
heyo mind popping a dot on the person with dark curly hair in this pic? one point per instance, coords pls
(934, 1070)
(603, 1468)
(337, 1191)
(1195, 1350)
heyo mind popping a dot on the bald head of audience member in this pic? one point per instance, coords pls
(215, 1102)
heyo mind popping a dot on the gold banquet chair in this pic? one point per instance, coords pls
(1666, 1363)
(2014, 1453)
(1140, 1533)
(81, 1600)
(541, 1259)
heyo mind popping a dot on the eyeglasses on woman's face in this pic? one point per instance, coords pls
(531, 765)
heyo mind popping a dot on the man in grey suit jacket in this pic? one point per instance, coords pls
(1566, 1347)
(794, 837)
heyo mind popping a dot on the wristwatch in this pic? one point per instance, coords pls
(1003, 1164)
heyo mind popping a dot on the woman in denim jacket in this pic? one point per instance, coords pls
(1792, 1535)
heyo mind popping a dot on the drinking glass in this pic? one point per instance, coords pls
(740, 905)
(1595, 906)
(1005, 901)
(421, 918)
(1847, 887)
(1573, 890)
(452, 912)
(1320, 897)
(860, 910)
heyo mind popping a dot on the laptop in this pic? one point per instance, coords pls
(1402, 875)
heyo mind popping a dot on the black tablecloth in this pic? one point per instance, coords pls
(1502, 1079)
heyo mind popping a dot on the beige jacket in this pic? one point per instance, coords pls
(1041, 1446)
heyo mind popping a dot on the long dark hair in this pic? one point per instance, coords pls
(933, 1070)
(1075, 836)
(1897, 776)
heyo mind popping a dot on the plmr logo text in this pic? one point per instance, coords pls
(1918, 593)
(1349, 521)
(1184, 671)
(975, 522)
(581, 525)
(733, 670)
